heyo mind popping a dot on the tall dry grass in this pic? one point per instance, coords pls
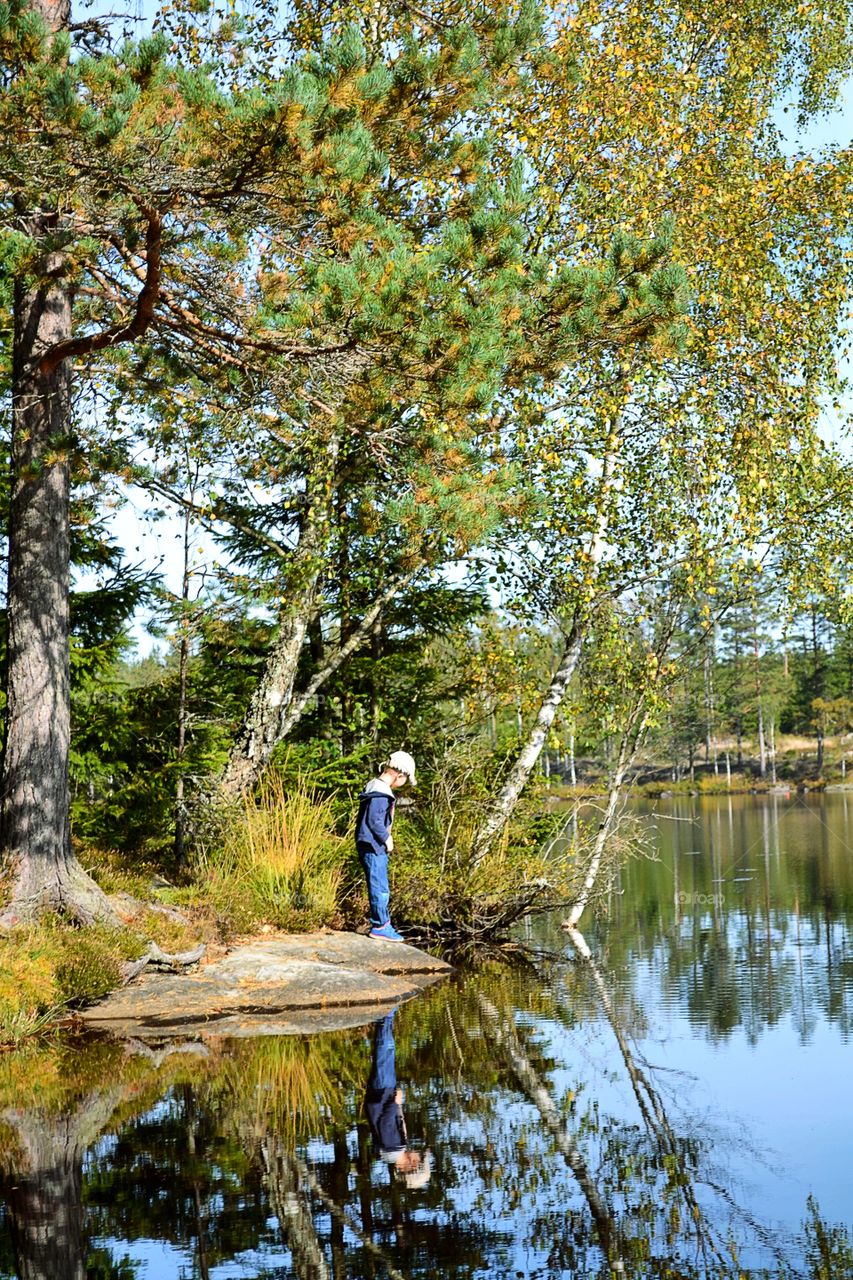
(276, 860)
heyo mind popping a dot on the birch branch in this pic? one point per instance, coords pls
(504, 1037)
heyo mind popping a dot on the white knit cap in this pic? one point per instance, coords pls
(403, 763)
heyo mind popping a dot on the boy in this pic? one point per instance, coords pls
(374, 841)
(383, 1104)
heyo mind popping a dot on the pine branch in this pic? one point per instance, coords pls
(143, 315)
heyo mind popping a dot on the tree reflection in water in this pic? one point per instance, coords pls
(258, 1156)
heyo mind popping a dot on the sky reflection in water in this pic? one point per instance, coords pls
(669, 1108)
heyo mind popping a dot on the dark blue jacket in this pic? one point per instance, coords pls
(385, 1117)
(373, 824)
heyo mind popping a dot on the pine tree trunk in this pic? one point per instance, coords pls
(44, 1209)
(34, 820)
(41, 1166)
(35, 764)
(34, 823)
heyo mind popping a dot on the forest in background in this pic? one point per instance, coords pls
(485, 352)
(460, 692)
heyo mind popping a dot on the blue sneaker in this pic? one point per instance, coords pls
(386, 931)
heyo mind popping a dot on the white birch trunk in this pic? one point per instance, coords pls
(505, 802)
(651, 1107)
(762, 746)
(508, 796)
(504, 1037)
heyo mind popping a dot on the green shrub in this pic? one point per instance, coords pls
(436, 884)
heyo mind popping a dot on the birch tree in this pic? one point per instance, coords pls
(719, 430)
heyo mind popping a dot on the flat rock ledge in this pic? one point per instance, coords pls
(284, 986)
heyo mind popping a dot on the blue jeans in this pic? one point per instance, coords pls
(383, 1069)
(376, 869)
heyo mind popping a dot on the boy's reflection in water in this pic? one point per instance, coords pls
(383, 1104)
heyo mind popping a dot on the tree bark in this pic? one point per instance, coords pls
(261, 729)
(279, 717)
(710, 658)
(347, 1221)
(289, 1201)
(41, 1180)
(34, 823)
(762, 746)
(627, 751)
(651, 1108)
(45, 1214)
(502, 1034)
(183, 670)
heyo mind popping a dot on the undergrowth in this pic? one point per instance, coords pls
(52, 966)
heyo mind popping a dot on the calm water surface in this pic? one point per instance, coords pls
(678, 1107)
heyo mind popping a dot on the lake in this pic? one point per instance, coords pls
(676, 1105)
